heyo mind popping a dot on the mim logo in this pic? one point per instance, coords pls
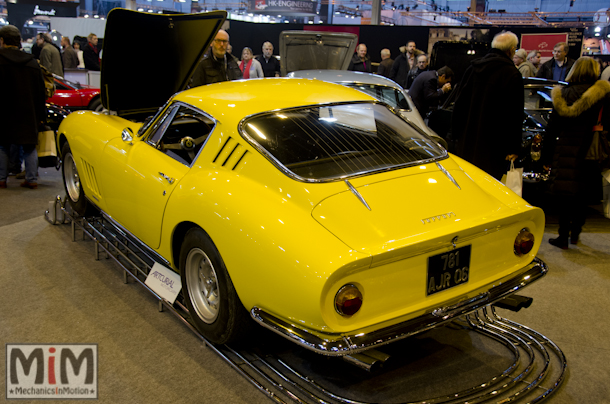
(51, 371)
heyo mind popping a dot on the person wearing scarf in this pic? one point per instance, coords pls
(251, 68)
(91, 54)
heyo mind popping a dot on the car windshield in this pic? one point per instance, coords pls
(389, 95)
(330, 142)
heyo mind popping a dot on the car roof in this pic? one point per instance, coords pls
(346, 76)
(242, 98)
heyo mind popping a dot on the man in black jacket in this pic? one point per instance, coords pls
(429, 88)
(558, 67)
(360, 61)
(22, 105)
(269, 63)
(420, 67)
(91, 54)
(404, 63)
(216, 66)
(488, 111)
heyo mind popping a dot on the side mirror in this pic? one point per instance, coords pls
(127, 135)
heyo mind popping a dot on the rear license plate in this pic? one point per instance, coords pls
(448, 269)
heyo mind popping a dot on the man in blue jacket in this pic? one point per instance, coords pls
(558, 67)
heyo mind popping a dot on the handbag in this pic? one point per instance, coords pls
(599, 150)
(46, 148)
(514, 179)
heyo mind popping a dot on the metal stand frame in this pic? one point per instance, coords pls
(535, 356)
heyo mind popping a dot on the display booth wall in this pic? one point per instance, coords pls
(378, 37)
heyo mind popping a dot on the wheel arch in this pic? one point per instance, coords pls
(178, 238)
(61, 140)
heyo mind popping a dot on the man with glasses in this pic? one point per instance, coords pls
(558, 67)
(216, 66)
(420, 67)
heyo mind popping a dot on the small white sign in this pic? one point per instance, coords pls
(164, 282)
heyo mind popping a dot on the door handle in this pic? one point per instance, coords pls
(169, 179)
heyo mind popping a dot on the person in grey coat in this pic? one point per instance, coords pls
(50, 57)
(69, 57)
(526, 68)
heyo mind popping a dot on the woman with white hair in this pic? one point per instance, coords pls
(526, 68)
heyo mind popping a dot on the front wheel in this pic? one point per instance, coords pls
(72, 183)
(209, 294)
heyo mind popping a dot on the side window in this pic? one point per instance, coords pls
(181, 133)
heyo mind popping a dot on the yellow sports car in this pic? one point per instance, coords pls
(307, 207)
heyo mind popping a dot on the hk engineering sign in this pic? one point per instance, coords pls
(283, 6)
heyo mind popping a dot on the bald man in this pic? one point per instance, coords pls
(216, 65)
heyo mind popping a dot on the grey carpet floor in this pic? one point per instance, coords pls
(53, 291)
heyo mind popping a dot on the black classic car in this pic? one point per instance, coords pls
(537, 108)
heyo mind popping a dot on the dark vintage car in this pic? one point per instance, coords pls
(537, 108)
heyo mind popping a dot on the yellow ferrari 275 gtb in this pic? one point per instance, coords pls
(307, 207)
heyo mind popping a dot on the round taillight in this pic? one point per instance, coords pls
(524, 242)
(348, 300)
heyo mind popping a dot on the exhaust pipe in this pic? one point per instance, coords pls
(514, 303)
(363, 362)
(370, 360)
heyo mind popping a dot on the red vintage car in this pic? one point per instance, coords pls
(74, 96)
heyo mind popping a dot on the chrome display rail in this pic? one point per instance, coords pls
(536, 371)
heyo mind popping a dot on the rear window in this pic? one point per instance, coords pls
(331, 142)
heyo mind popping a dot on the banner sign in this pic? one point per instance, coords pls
(283, 6)
(542, 42)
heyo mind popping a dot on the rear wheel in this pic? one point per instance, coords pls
(209, 294)
(72, 183)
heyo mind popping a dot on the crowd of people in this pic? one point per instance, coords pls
(486, 122)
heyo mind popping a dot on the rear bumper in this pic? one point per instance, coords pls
(347, 344)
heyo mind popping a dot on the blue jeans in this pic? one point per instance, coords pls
(30, 156)
(15, 159)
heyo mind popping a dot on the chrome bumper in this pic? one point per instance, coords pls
(337, 344)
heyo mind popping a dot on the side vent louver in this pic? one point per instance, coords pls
(231, 154)
(89, 177)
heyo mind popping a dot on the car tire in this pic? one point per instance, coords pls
(209, 294)
(96, 105)
(72, 183)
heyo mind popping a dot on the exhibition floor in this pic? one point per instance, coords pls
(54, 291)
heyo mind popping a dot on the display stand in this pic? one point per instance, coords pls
(287, 373)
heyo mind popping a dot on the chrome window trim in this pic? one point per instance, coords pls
(169, 111)
(400, 90)
(142, 131)
(289, 173)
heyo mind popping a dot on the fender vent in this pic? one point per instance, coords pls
(88, 175)
(231, 154)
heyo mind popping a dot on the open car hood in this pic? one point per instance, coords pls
(134, 79)
(310, 50)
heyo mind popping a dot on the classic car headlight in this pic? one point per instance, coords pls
(524, 242)
(348, 300)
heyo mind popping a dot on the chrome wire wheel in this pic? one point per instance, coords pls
(202, 285)
(71, 178)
